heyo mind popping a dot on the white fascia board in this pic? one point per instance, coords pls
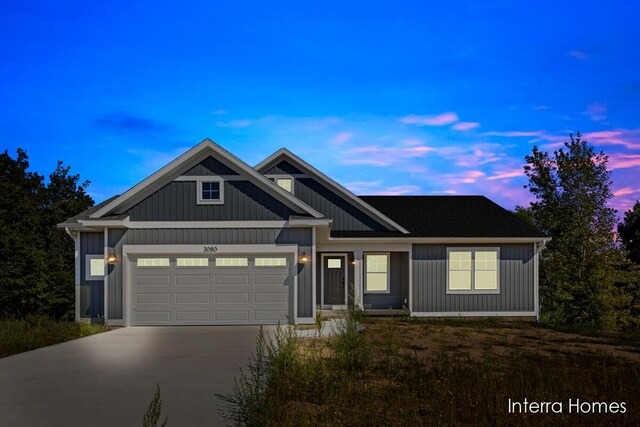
(202, 149)
(475, 314)
(288, 155)
(364, 246)
(309, 222)
(438, 240)
(207, 224)
(200, 249)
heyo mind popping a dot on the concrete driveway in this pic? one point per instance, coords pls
(109, 379)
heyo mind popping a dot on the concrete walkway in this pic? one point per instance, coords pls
(110, 378)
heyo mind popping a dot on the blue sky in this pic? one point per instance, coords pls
(385, 97)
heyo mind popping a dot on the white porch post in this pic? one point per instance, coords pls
(357, 279)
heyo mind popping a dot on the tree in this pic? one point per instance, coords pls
(571, 188)
(36, 258)
(629, 233)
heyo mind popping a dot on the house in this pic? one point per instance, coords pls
(209, 239)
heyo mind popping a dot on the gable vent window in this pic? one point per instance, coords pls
(211, 192)
(286, 183)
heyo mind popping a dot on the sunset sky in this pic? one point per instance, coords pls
(385, 97)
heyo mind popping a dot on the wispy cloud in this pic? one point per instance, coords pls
(379, 155)
(121, 123)
(377, 187)
(596, 111)
(515, 133)
(579, 54)
(243, 123)
(466, 177)
(342, 137)
(507, 174)
(625, 137)
(623, 161)
(437, 120)
(153, 159)
(625, 191)
(466, 126)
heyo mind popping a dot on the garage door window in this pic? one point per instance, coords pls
(192, 262)
(271, 262)
(232, 262)
(153, 262)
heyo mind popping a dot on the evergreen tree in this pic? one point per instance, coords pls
(572, 188)
(629, 233)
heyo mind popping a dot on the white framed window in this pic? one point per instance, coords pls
(152, 262)
(232, 262)
(210, 191)
(192, 262)
(94, 267)
(286, 183)
(270, 262)
(473, 270)
(376, 273)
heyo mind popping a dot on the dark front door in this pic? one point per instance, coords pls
(334, 270)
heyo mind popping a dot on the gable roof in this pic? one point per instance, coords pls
(284, 154)
(204, 149)
(448, 216)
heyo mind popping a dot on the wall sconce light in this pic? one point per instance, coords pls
(304, 258)
(112, 258)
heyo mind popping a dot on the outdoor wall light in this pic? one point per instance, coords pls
(304, 258)
(112, 258)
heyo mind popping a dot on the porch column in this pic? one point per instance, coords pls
(357, 279)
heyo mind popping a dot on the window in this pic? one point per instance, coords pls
(334, 263)
(152, 262)
(271, 262)
(210, 191)
(94, 267)
(286, 183)
(376, 273)
(232, 262)
(472, 270)
(192, 262)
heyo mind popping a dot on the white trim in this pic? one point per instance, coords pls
(475, 314)
(536, 280)
(212, 179)
(366, 247)
(305, 320)
(114, 322)
(276, 177)
(287, 175)
(314, 267)
(358, 282)
(365, 272)
(345, 265)
(105, 287)
(191, 178)
(308, 222)
(202, 150)
(78, 267)
(115, 223)
(410, 305)
(310, 170)
(207, 224)
(438, 240)
(473, 291)
(87, 268)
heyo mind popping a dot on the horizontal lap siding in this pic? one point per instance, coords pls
(430, 281)
(397, 286)
(177, 201)
(92, 291)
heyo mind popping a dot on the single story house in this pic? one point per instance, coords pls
(210, 240)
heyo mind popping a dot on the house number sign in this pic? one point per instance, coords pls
(210, 249)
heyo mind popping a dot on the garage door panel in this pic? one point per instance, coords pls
(193, 316)
(209, 295)
(199, 280)
(153, 298)
(229, 297)
(193, 298)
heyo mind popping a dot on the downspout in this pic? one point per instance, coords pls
(73, 237)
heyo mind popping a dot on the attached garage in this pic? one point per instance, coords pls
(210, 290)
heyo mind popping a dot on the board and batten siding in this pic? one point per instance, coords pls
(91, 291)
(177, 201)
(430, 281)
(283, 168)
(205, 236)
(210, 166)
(398, 286)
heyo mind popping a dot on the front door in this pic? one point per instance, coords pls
(334, 271)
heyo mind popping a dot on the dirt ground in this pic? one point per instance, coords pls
(426, 339)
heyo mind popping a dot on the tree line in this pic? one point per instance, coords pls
(37, 258)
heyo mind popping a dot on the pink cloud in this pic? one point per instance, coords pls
(625, 191)
(445, 192)
(467, 177)
(596, 111)
(624, 137)
(342, 137)
(514, 134)
(376, 187)
(466, 125)
(438, 120)
(578, 54)
(507, 174)
(378, 155)
(623, 161)
(399, 190)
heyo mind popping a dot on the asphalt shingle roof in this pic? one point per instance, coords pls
(446, 216)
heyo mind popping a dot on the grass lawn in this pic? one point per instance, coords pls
(428, 372)
(17, 336)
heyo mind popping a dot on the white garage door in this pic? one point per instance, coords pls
(199, 290)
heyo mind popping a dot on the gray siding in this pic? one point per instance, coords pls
(430, 281)
(177, 201)
(195, 236)
(91, 291)
(115, 271)
(345, 216)
(210, 166)
(398, 286)
(283, 168)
